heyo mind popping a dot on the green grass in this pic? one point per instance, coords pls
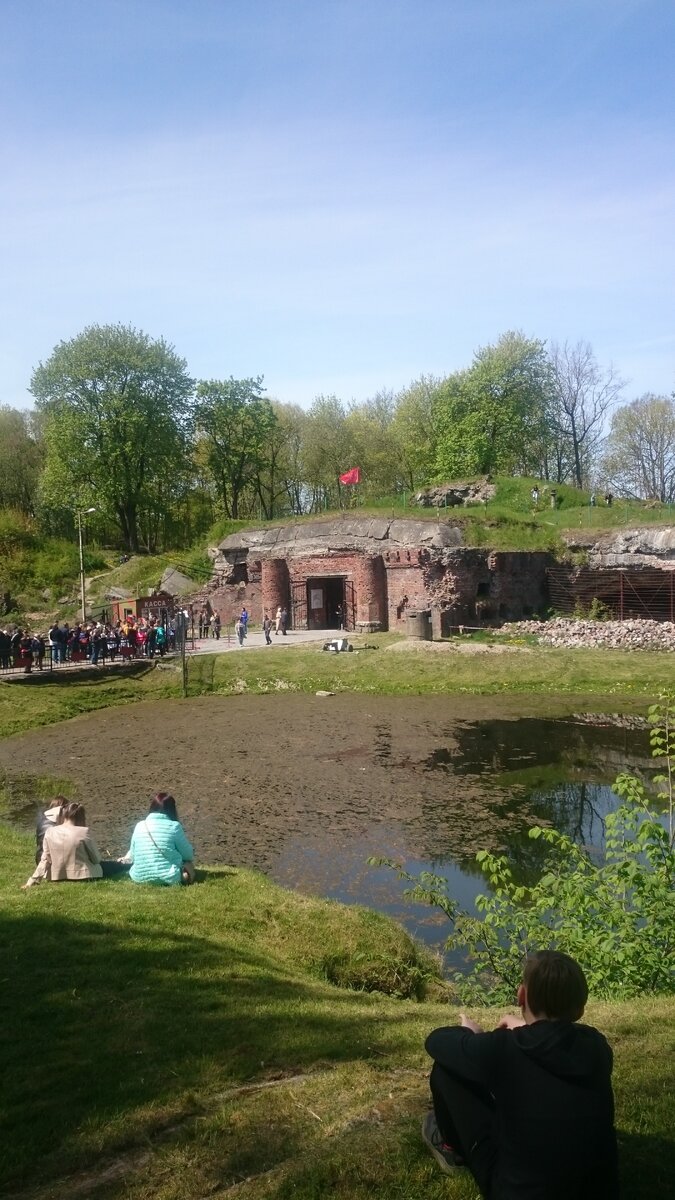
(611, 677)
(167, 1044)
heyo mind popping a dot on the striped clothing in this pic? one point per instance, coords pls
(158, 850)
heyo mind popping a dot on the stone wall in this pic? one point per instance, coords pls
(390, 568)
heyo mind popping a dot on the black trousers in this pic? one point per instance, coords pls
(465, 1117)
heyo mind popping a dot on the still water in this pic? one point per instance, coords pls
(307, 789)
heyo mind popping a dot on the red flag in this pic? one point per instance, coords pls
(353, 476)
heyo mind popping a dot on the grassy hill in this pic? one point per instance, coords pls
(42, 574)
(223, 1041)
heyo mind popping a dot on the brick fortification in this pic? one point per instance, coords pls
(373, 574)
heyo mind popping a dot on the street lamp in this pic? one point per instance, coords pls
(80, 514)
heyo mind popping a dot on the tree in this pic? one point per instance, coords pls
(116, 413)
(414, 433)
(327, 451)
(581, 395)
(279, 482)
(374, 447)
(236, 422)
(494, 416)
(19, 461)
(639, 458)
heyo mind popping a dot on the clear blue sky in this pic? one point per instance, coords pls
(339, 195)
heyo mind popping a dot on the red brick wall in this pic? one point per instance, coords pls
(406, 586)
(364, 571)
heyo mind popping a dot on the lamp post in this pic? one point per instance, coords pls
(80, 514)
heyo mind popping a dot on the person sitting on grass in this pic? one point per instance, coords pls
(69, 852)
(528, 1107)
(48, 819)
(160, 852)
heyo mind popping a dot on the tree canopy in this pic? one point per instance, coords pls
(116, 407)
(493, 416)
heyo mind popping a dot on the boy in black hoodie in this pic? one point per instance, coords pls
(528, 1107)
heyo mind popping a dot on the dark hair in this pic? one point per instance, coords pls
(74, 813)
(63, 803)
(164, 803)
(556, 986)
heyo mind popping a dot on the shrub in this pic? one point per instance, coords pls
(615, 916)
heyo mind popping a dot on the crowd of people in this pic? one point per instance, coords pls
(92, 641)
(159, 852)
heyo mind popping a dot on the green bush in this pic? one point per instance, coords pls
(616, 916)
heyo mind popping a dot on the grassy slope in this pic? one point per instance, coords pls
(509, 522)
(132, 1019)
(189, 1038)
(538, 670)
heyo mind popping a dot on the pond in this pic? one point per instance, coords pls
(307, 788)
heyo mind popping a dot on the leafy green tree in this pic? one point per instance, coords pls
(19, 461)
(493, 416)
(370, 428)
(327, 452)
(115, 404)
(640, 450)
(414, 433)
(279, 480)
(236, 423)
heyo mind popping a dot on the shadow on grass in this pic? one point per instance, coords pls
(105, 1032)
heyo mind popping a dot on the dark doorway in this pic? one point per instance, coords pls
(326, 607)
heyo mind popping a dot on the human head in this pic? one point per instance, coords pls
(162, 802)
(60, 802)
(74, 813)
(554, 986)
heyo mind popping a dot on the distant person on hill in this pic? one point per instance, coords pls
(160, 852)
(69, 853)
(528, 1107)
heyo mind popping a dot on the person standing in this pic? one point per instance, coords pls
(216, 626)
(284, 620)
(244, 620)
(277, 621)
(267, 628)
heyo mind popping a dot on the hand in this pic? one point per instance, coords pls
(509, 1022)
(467, 1023)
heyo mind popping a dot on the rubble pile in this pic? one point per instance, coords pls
(616, 635)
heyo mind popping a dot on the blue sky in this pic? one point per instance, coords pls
(339, 195)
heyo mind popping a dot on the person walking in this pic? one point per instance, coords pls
(244, 620)
(284, 620)
(267, 628)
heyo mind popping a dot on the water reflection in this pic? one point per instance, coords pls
(306, 791)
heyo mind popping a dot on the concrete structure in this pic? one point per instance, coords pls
(368, 574)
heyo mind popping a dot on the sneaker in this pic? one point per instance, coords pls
(444, 1154)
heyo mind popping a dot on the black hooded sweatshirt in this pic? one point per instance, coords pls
(551, 1086)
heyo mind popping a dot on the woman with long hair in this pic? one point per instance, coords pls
(160, 852)
(69, 852)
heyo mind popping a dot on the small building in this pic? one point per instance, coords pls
(159, 606)
(369, 574)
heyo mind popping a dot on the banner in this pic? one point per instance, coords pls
(353, 476)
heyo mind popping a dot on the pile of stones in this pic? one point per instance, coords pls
(617, 635)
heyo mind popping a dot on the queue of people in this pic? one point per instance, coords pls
(160, 852)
